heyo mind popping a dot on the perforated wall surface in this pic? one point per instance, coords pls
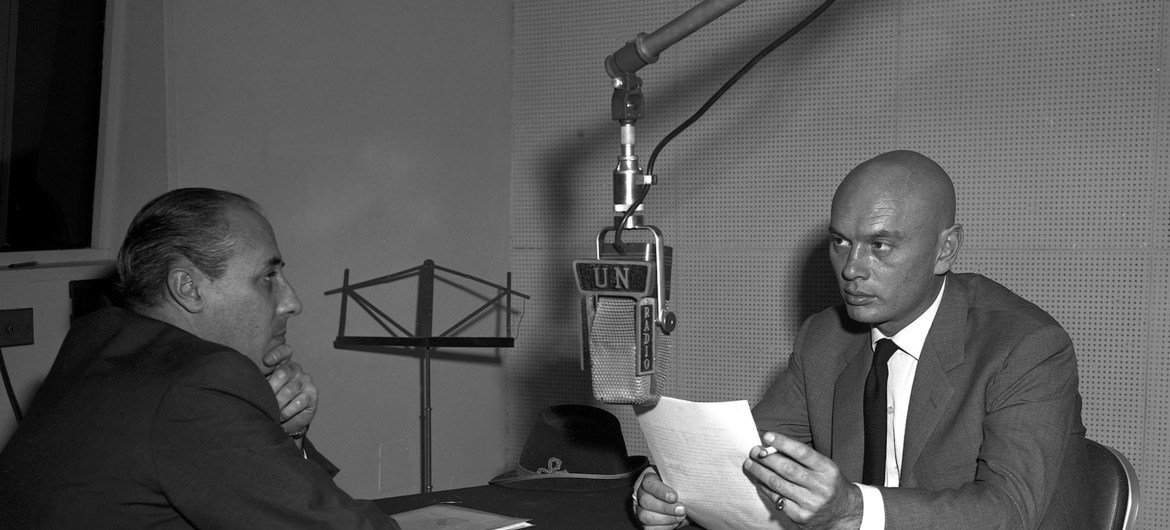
(1050, 116)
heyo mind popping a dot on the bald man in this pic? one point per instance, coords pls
(982, 413)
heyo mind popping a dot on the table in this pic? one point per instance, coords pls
(586, 510)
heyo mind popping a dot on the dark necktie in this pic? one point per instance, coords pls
(874, 470)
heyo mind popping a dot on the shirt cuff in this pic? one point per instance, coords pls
(638, 484)
(650, 470)
(873, 510)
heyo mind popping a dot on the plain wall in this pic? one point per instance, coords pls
(375, 135)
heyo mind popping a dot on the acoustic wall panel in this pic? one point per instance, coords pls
(1050, 115)
(744, 289)
(1155, 458)
(1160, 224)
(1153, 463)
(1049, 107)
(1154, 466)
(745, 175)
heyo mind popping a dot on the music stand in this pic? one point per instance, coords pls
(422, 339)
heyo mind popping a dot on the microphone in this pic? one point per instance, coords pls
(625, 314)
(626, 318)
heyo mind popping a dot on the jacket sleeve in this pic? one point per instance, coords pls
(223, 461)
(784, 407)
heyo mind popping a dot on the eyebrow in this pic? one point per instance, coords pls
(893, 235)
(889, 234)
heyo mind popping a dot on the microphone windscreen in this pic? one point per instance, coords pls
(618, 356)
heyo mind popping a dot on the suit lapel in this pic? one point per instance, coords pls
(942, 352)
(848, 423)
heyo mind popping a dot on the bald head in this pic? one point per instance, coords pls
(913, 179)
(893, 237)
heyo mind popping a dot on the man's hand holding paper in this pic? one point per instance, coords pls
(804, 484)
(699, 449)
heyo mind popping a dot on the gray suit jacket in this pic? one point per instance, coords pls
(993, 434)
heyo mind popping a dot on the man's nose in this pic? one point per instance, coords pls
(855, 265)
(290, 303)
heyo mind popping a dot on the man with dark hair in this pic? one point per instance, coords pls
(929, 399)
(183, 409)
(185, 223)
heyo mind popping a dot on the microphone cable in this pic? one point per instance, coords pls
(617, 238)
(8, 388)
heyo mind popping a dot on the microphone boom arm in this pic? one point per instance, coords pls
(644, 49)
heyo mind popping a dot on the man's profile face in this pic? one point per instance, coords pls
(247, 308)
(884, 244)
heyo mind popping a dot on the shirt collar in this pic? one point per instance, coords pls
(913, 337)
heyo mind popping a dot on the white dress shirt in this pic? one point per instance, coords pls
(902, 366)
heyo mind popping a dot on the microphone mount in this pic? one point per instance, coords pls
(630, 183)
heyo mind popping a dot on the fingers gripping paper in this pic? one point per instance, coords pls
(699, 449)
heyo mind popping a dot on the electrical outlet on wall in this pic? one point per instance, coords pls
(16, 327)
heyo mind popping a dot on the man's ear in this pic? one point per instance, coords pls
(183, 286)
(948, 249)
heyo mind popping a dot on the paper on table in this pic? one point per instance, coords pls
(448, 517)
(699, 449)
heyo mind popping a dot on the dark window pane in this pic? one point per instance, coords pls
(54, 89)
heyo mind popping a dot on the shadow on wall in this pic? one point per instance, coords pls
(818, 282)
(815, 288)
(556, 376)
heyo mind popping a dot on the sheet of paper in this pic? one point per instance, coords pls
(448, 517)
(699, 449)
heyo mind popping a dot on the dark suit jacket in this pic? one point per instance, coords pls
(993, 433)
(142, 425)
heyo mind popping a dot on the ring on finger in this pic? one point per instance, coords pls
(780, 503)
